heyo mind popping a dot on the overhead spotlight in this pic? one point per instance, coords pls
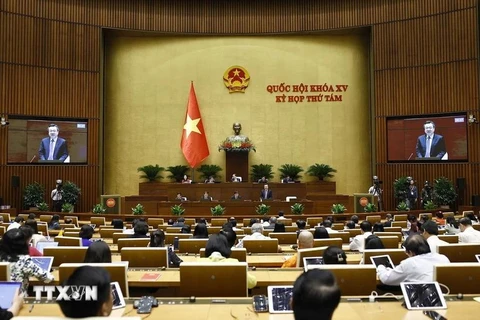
(4, 122)
(472, 119)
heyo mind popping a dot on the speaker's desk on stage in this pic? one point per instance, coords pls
(204, 309)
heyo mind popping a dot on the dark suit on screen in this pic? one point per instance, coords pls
(269, 194)
(437, 148)
(60, 152)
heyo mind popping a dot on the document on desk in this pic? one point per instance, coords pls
(150, 277)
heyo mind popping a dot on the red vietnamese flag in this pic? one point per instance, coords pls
(194, 142)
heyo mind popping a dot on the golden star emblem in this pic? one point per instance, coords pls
(191, 125)
(236, 72)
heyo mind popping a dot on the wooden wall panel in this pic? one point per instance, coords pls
(425, 60)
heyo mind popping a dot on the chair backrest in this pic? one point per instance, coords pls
(428, 214)
(132, 242)
(448, 214)
(458, 277)
(284, 237)
(397, 255)
(311, 252)
(476, 227)
(6, 217)
(2, 230)
(291, 228)
(214, 230)
(218, 222)
(449, 238)
(353, 232)
(338, 226)
(247, 230)
(73, 218)
(374, 219)
(173, 229)
(401, 224)
(108, 233)
(261, 246)
(400, 217)
(213, 279)
(336, 242)
(65, 254)
(191, 245)
(98, 221)
(460, 252)
(46, 218)
(190, 221)
(43, 228)
(67, 226)
(23, 215)
(68, 241)
(389, 242)
(237, 253)
(345, 236)
(155, 221)
(169, 237)
(466, 212)
(70, 234)
(353, 280)
(117, 271)
(313, 222)
(393, 229)
(119, 235)
(5, 271)
(145, 257)
(399, 235)
(285, 222)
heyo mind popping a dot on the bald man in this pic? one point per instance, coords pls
(304, 241)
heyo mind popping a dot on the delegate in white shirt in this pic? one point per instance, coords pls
(434, 242)
(470, 235)
(416, 268)
(358, 243)
(253, 236)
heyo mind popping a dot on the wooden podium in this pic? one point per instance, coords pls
(236, 162)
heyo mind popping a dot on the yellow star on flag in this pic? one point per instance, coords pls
(191, 125)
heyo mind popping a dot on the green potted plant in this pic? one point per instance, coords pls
(218, 210)
(98, 209)
(261, 170)
(370, 207)
(321, 171)
(430, 205)
(43, 206)
(444, 192)
(67, 207)
(33, 194)
(151, 172)
(177, 210)
(177, 172)
(262, 209)
(138, 210)
(297, 208)
(71, 193)
(209, 170)
(402, 206)
(338, 208)
(400, 188)
(290, 170)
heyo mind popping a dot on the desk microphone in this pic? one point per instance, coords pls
(34, 156)
(410, 156)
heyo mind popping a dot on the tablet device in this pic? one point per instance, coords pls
(478, 257)
(118, 300)
(93, 226)
(311, 261)
(7, 292)
(45, 244)
(423, 295)
(279, 299)
(44, 263)
(382, 260)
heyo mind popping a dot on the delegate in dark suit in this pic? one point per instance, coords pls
(60, 152)
(437, 148)
(266, 194)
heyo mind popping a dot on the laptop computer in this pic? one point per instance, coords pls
(279, 299)
(43, 262)
(423, 295)
(307, 261)
(7, 293)
(45, 244)
(382, 260)
(118, 300)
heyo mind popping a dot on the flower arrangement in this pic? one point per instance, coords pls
(262, 209)
(177, 210)
(217, 210)
(338, 208)
(297, 208)
(98, 209)
(237, 145)
(138, 210)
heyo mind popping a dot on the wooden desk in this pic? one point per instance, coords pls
(203, 309)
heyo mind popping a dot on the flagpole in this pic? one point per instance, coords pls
(192, 174)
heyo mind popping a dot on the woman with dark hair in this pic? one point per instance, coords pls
(350, 225)
(320, 233)
(452, 226)
(31, 215)
(472, 217)
(373, 242)
(230, 235)
(86, 233)
(200, 232)
(218, 250)
(98, 252)
(412, 224)
(35, 237)
(204, 221)
(252, 222)
(32, 251)
(54, 223)
(334, 255)
(14, 249)
(186, 229)
(140, 230)
(157, 239)
(279, 227)
(378, 227)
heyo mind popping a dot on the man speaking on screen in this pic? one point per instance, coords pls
(53, 147)
(430, 145)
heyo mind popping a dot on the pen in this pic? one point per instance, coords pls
(31, 308)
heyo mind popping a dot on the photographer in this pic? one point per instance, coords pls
(57, 196)
(412, 194)
(426, 194)
(376, 191)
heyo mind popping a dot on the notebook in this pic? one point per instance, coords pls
(279, 299)
(45, 244)
(118, 300)
(307, 261)
(7, 293)
(382, 260)
(43, 262)
(423, 295)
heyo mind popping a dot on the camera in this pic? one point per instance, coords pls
(376, 181)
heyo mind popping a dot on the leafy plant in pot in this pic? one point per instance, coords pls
(138, 210)
(297, 208)
(70, 193)
(151, 172)
(370, 207)
(67, 207)
(402, 206)
(98, 209)
(177, 210)
(400, 188)
(262, 209)
(43, 206)
(33, 194)
(209, 170)
(321, 171)
(177, 172)
(338, 208)
(430, 205)
(290, 170)
(444, 192)
(218, 210)
(261, 170)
